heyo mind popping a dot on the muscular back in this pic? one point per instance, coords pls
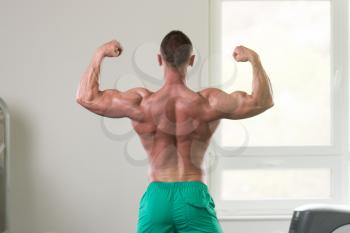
(175, 131)
(175, 124)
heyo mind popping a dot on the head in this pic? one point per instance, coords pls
(176, 51)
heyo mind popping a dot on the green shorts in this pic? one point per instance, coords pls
(177, 207)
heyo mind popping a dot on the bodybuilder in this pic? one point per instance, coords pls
(175, 125)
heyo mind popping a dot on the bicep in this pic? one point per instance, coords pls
(245, 106)
(116, 104)
(236, 105)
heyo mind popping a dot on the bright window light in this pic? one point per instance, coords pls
(293, 41)
(274, 184)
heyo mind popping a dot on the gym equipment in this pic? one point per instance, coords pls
(4, 162)
(321, 218)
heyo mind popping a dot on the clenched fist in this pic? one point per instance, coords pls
(243, 54)
(111, 49)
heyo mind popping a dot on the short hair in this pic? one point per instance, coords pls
(176, 48)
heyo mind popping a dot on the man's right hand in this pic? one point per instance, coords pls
(243, 54)
(111, 49)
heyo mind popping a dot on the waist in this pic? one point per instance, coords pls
(193, 184)
(175, 176)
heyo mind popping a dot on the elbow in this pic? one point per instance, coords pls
(79, 98)
(81, 101)
(85, 99)
(265, 105)
(270, 104)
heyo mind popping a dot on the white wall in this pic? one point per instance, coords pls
(67, 174)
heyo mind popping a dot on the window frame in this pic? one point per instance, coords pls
(335, 155)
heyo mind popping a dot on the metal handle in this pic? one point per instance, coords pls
(2, 155)
(4, 165)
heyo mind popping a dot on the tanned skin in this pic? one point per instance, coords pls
(174, 123)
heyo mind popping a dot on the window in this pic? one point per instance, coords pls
(292, 153)
(293, 38)
(245, 184)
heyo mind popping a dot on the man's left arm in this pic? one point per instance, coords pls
(111, 102)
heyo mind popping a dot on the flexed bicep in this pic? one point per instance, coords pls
(111, 102)
(245, 106)
(235, 105)
(117, 104)
(239, 104)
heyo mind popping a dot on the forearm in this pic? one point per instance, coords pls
(88, 87)
(261, 87)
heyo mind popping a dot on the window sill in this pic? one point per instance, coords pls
(254, 217)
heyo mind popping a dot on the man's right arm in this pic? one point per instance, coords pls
(239, 104)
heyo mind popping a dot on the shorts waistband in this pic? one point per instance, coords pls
(196, 184)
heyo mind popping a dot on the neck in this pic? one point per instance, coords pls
(174, 76)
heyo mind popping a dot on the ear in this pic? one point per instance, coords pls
(191, 60)
(159, 59)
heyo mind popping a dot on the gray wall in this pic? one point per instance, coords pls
(68, 175)
(2, 172)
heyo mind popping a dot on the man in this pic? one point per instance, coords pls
(175, 125)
